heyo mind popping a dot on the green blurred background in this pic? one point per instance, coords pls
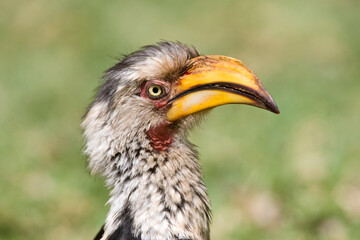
(290, 176)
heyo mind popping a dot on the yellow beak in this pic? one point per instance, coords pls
(217, 80)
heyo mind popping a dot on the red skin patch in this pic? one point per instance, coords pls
(160, 136)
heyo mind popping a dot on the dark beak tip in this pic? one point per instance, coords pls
(268, 101)
(274, 108)
(271, 105)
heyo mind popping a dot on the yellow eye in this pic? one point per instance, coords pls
(155, 90)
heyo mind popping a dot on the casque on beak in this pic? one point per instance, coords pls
(217, 80)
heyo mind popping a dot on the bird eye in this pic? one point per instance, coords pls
(155, 91)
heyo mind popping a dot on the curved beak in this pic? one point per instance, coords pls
(217, 80)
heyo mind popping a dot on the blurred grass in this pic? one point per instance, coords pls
(292, 176)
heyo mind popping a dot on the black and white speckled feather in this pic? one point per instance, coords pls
(156, 195)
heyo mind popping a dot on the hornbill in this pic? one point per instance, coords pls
(136, 137)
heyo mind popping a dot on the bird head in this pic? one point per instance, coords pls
(157, 93)
(136, 136)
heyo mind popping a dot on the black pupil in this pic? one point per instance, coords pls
(156, 90)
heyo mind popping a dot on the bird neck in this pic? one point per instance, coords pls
(157, 194)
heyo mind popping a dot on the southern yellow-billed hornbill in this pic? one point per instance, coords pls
(136, 137)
